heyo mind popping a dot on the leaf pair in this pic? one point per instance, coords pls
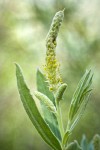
(94, 144)
(85, 145)
(80, 99)
(78, 103)
(33, 113)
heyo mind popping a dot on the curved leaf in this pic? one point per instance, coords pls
(33, 113)
(84, 143)
(66, 137)
(74, 146)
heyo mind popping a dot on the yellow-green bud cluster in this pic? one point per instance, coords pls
(52, 66)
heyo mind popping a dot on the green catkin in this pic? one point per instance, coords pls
(96, 142)
(52, 66)
(44, 99)
(60, 92)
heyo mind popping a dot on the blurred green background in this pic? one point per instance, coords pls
(23, 29)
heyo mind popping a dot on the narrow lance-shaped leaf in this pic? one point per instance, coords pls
(80, 95)
(33, 113)
(84, 143)
(81, 112)
(79, 101)
(74, 123)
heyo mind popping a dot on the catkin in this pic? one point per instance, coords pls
(52, 66)
(60, 92)
(44, 99)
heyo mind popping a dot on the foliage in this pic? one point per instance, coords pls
(50, 93)
(94, 144)
(23, 27)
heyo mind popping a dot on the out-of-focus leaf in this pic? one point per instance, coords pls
(50, 118)
(96, 142)
(33, 113)
(74, 146)
(90, 146)
(84, 143)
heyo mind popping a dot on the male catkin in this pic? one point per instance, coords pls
(52, 66)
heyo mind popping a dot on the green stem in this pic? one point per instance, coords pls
(60, 123)
(68, 126)
(60, 120)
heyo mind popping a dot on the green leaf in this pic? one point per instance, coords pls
(33, 113)
(50, 118)
(90, 146)
(80, 99)
(84, 143)
(43, 87)
(96, 142)
(73, 146)
(81, 112)
(66, 137)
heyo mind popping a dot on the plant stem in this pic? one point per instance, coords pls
(60, 122)
(68, 125)
(59, 118)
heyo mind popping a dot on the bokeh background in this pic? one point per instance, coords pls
(23, 28)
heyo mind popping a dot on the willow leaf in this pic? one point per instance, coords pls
(33, 113)
(80, 94)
